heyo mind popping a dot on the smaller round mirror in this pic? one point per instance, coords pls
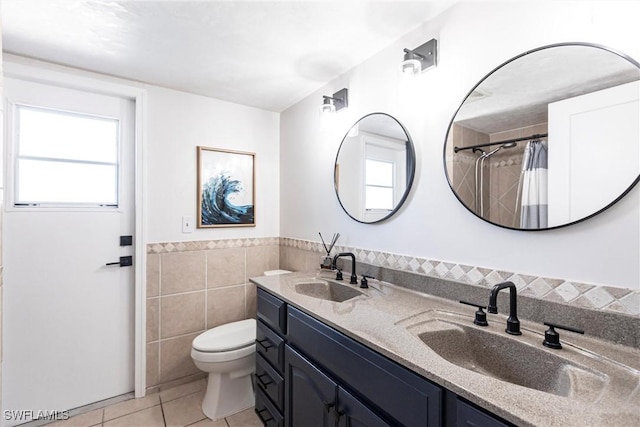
(374, 168)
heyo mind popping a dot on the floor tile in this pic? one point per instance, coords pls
(246, 418)
(151, 417)
(184, 411)
(182, 390)
(83, 420)
(130, 406)
(209, 423)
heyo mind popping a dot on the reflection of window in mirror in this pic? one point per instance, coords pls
(379, 186)
(385, 172)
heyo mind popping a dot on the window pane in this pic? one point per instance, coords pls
(60, 135)
(64, 182)
(379, 198)
(379, 173)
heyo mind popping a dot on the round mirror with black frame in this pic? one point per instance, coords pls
(547, 139)
(374, 168)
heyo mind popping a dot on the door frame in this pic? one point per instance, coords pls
(18, 67)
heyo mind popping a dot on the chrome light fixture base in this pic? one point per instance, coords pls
(337, 102)
(420, 59)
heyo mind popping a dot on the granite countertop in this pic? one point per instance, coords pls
(391, 319)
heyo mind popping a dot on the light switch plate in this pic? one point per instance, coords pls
(187, 224)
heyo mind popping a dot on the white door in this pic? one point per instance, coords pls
(593, 151)
(68, 317)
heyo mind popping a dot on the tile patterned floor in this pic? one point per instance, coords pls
(175, 407)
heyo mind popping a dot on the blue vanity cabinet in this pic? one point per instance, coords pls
(470, 416)
(314, 399)
(310, 374)
(353, 413)
(267, 412)
(310, 395)
(389, 390)
(272, 311)
(270, 344)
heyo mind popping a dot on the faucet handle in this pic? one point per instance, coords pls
(552, 338)
(339, 274)
(481, 316)
(363, 282)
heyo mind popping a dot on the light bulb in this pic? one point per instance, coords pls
(327, 106)
(411, 66)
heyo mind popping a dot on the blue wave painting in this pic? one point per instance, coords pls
(217, 208)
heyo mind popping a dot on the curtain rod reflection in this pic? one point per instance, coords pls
(506, 141)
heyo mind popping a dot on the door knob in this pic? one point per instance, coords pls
(125, 261)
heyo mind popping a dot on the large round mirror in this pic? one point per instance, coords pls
(374, 168)
(547, 139)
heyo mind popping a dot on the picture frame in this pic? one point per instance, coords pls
(226, 188)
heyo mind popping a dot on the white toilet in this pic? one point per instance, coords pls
(227, 353)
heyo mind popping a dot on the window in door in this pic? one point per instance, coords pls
(65, 159)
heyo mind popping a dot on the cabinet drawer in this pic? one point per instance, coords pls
(267, 413)
(470, 416)
(270, 382)
(272, 311)
(270, 346)
(391, 389)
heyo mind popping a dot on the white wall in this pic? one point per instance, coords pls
(177, 123)
(473, 38)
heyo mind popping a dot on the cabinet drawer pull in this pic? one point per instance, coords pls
(261, 382)
(263, 345)
(329, 406)
(264, 420)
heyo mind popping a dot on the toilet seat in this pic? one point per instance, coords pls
(223, 356)
(226, 342)
(228, 337)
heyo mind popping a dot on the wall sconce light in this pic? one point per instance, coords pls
(337, 102)
(421, 58)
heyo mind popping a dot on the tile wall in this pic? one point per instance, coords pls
(461, 165)
(300, 255)
(195, 286)
(502, 171)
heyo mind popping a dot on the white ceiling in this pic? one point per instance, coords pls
(518, 94)
(266, 54)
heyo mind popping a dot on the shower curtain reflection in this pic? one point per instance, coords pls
(533, 188)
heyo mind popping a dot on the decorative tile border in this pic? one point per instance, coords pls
(203, 245)
(619, 300)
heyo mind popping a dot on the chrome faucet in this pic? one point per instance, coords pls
(513, 324)
(354, 279)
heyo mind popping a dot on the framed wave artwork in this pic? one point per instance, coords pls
(226, 188)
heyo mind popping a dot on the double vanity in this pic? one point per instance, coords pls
(332, 353)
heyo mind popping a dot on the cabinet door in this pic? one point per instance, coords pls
(468, 416)
(272, 311)
(267, 413)
(390, 389)
(270, 345)
(269, 381)
(353, 413)
(310, 396)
